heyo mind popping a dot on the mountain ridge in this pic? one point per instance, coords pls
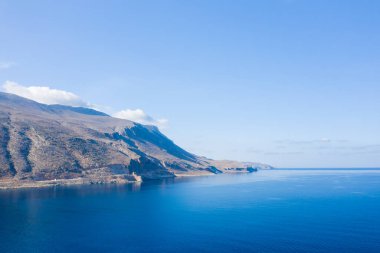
(56, 144)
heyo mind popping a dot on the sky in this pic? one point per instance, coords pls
(291, 83)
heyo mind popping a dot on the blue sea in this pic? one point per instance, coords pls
(281, 210)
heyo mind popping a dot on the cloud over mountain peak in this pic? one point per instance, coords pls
(49, 96)
(44, 94)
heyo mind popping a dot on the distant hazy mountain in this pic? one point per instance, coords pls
(55, 144)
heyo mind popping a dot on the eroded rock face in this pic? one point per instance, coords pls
(41, 142)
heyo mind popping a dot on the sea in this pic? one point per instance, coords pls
(280, 210)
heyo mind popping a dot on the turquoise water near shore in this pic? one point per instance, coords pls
(282, 210)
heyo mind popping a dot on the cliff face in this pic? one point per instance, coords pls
(52, 142)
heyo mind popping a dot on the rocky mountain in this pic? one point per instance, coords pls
(55, 144)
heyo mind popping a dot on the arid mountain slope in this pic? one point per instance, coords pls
(53, 142)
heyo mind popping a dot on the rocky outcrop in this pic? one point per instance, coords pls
(53, 144)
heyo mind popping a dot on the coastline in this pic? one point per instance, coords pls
(115, 179)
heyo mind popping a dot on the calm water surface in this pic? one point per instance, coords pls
(269, 211)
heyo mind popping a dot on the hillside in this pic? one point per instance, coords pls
(50, 144)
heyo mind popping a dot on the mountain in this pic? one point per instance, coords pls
(55, 144)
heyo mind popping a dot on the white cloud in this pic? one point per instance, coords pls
(6, 65)
(45, 95)
(141, 117)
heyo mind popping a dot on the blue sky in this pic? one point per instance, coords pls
(291, 83)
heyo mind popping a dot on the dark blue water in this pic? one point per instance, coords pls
(269, 211)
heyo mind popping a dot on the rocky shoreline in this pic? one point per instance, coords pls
(114, 179)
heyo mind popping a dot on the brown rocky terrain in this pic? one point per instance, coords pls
(54, 144)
